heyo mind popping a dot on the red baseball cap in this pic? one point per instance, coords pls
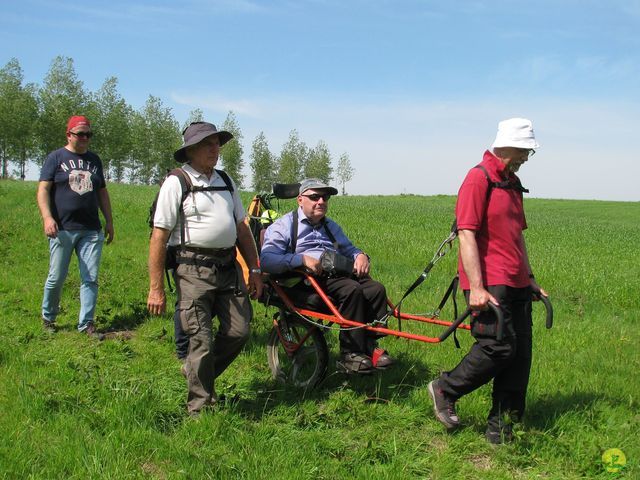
(77, 121)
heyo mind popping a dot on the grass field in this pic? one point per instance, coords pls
(73, 407)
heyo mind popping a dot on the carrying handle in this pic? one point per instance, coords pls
(466, 313)
(547, 305)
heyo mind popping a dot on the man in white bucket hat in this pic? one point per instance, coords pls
(494, 267)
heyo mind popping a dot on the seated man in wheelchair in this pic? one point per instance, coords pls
(299, 240)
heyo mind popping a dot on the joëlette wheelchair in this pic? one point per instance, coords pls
(297, 350)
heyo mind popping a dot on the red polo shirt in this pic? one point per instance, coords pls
(498, 224)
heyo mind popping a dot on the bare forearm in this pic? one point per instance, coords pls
(43, 199)
(470, 258)
(105, 205)
(157, 252)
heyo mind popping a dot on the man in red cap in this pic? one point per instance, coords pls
(71, 191)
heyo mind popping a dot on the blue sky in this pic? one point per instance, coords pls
(411, 90)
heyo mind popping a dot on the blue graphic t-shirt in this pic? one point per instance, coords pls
(76, 178)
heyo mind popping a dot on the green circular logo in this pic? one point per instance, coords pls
(614, 460)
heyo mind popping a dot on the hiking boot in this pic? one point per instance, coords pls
(443, 406)
(91, 331)
(353, 362)
(381, 359)
(497, 436)
(49, 326)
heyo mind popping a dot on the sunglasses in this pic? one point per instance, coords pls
(314, 197)
(82, 134)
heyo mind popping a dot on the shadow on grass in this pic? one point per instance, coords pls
(382, 386)
(543, 413)
(122, 324)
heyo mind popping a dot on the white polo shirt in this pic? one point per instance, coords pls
(209, 216)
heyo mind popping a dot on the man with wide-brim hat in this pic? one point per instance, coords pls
(195, 133)
(207, 276)
(494, 267)
(299, 240)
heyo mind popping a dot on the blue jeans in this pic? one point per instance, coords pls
(88, 247)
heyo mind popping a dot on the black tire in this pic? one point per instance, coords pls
(307, 366)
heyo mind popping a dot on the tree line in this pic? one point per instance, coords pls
(136, 146)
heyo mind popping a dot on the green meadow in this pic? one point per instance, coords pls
(72, 407)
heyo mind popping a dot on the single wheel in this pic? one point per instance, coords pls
(297, 352)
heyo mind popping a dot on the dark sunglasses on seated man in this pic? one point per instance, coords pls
(314, 197)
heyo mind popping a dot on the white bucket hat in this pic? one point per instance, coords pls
(515, 132)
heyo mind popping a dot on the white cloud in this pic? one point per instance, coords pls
(217, 104)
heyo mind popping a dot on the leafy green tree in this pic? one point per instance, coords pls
(61, 96)
(318, 164)
(292, 159)
(155, 136)
(345, 171)
(18, 116)
(263, 165)
(231, 153)
(112, 123)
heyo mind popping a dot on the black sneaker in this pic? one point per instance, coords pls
(355, 363)
(443, 407)
(49, 327)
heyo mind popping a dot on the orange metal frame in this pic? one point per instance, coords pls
(338, 319)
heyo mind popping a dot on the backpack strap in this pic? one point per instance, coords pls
(226, 179)
(505, 184)
(186, 186)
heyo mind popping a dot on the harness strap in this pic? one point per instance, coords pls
(504, 184)
(294, 232)
(451, 291)
(186, 186)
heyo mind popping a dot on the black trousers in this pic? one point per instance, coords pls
(361, 300)
(507, 362)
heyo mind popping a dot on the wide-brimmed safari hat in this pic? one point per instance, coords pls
(195, 133)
